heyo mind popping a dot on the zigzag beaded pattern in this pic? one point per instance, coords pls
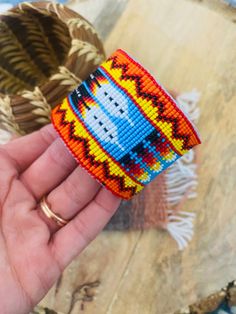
(122, 126)
(85, 152)
(162, 108)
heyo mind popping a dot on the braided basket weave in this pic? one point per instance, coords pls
(46, 50)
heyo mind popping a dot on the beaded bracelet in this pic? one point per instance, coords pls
(122, 126)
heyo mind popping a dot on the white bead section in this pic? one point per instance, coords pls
(114, 102)
(102, 126)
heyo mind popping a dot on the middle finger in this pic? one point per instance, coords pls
(49, 170)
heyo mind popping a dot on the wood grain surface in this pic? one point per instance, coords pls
(185, 45)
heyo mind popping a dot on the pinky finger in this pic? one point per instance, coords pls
(69, 241)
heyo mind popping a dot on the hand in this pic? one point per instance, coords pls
(33, 249)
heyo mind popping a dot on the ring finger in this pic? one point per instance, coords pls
(70, 197)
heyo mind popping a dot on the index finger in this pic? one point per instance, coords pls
(25, 149)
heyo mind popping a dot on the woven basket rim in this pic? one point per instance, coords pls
(47, 8)
(29, 109)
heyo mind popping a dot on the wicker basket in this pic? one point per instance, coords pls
(45, 51)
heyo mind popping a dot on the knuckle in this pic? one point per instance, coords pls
(6, 162)
(108, 209)
(59, 155)
(3, 151)
(72, 191)
(48, 134)
(82, 230)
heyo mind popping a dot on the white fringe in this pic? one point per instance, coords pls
(182, 178)
(5, 136)
(222, 312)
(180, 227)
(233, 309)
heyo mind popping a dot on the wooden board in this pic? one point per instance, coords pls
(186, 45)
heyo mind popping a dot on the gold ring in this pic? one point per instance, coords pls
(51, 215)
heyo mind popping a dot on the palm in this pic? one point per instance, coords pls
(33, 251)
(24, 249)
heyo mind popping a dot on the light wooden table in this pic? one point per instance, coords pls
(186, 45)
